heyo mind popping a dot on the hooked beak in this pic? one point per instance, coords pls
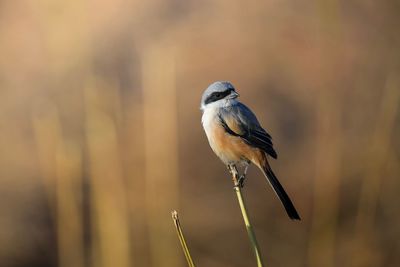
(234, 95)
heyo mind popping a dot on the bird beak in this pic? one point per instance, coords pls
(234, 95)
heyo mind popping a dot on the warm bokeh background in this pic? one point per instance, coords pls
(100, 134)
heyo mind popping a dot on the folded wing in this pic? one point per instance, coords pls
(238, 120)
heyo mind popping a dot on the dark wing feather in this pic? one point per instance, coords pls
(238, 120)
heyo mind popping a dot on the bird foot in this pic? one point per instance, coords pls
(237, 179)
(240, 181)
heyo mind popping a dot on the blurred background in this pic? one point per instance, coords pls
(100, 133)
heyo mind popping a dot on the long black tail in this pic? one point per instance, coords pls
(276, 185)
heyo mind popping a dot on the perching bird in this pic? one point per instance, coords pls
(237, 137)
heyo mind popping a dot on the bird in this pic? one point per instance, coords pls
(237, 138)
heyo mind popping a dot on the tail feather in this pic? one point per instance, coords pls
(280, 192)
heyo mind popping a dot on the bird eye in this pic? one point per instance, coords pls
(218, 95)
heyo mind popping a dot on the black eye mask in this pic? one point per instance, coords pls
(218, 95)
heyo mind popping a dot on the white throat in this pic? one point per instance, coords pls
(223, 103)
(211, 111)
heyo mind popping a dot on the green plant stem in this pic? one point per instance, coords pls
(249, 227)
(185, 248)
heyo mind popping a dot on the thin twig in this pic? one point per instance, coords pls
(249, 227)
(185, 248)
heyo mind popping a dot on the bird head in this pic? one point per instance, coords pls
(218, 92)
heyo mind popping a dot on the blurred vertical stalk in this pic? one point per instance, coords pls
(60, 163)
(69, 200)
(134, 168)
(109, 210)
(326, 183)
(47, 132)
(378, 151)
(328, 143)
(161, 154)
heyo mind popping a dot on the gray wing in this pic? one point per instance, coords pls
(238, 120)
